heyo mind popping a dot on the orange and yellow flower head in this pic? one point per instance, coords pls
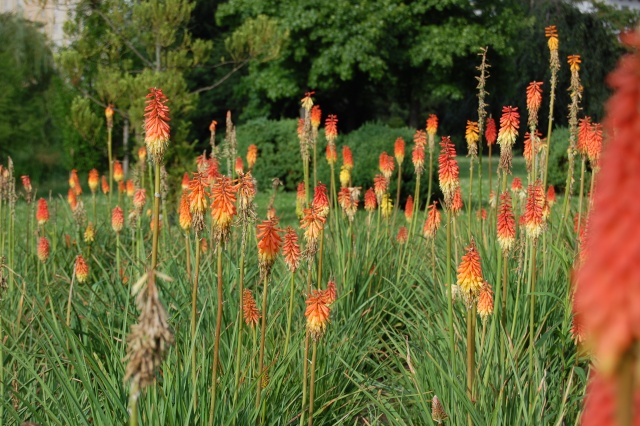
(142, 153)
(131, 188)
(72, 199)
(331, 128)
(408, 209)
(552, 35)
(456, 203)
(156, 124)
(252, 156)
(313, 224)
(239, 167)
(198, 199)
(432, 223)
(470, 277)
(534, 100)
(584, 134)
(506, 224)
(89, 234)
(485, 301)
(420, 138)
(379, 186)
(574, 62)
(331, 293)
(108, 114)
(291, 249)
(118, 171)
(184, 185)
(74, 182)
(139, 199)
(105, 185)
(117, 219)
(403, 235)
(386, 165)
(472, 135)
(432, 129)
(184, 213)
(94, 180)
(531, 146)
(509, 126)
(42, 213)
(317, 314)
(398, 150)
(551, 195)
(321, 200)
(491, 132)
(533, 219)
(448, 171)
(595, 146)
(370, 201)
(301, 198)
(250, 309)
(331, 154)
(316, 117)
(81, 269)
(269, 244)
(43, 249)
(223, 207)
(417, 157)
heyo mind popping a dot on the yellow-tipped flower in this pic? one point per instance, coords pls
(472, 135)
(432, 223)
(156, 118)
(184, 213)
(470, 277)
(117, 219)
(291, 249)
(108, 113)
(574, 62)
(345, 177)
(94, 180)
(252, 156)
(312, 222)
(118, 172)
(552, 34)
(43, 249)
(448, 171)
(105, 185)
(42, 213)
(485, 301)
(317, 314)
(81, 269)
(398, 150)
(223, 208)
(142, 153)
(89, 234)
(198, 199)
(250, 309)
(386, 206)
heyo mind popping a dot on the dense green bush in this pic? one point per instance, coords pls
(558, 161)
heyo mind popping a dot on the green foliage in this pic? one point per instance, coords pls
(558, 160)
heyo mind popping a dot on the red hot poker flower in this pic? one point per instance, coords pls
(223, 208)
(370, 202)
(81, 269)
(595, 145)
(509, 125)
(398, 150)
(386, 165)
(94, 180)
(506, 224)
(448, 170)
(584, 135)
(532, 219)
(252, 156)
(491, 133)
(420, 138)
(117, 219)
(320, 200)
(156, 124)
(408, 209)
(432, 223)
(269, 244)
(347, 158)
(42, 213)
(291, 249)
(317, 314)
(417, 157)
(534, 100)
(470, 277)
(331, 128)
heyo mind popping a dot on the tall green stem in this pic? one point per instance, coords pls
(240, 314)
(470, 197)
(581, 195)
(133, 405)
(532, 301)
(397, 205)
(305, 359)
(156, 219)
(216, 344)
(290, 312)
(450, 297)
(312, 384)
(263, 332)
(194, 310)
(471, 362)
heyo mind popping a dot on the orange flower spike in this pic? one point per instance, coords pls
(252, 156)
(574, 62)
(320, 200)
(26, 184)
(432, 129)
(105, 185)
(331, 154)
(534, 100)
(184, 213)
(312, 223)
(506, 224)
(370, 202)
(117, 219)
(379, 186)
(142, 153)
(198, 193)
(331, 128)
(316, 116)
(223, 208)
(122, 188)
(72, 199)
(491, 133)
(516, 185)
(131, 189)
(607, 293)
(250, 309)
(108, 114)
(509, 125)
(552, 34)
(551, 195)
(81, 269)
(317, 314)
(417, 157)
(43, 249)
(485, 301)
(269, 244)
(42, 213)
(584, 135)
(212, 126)
(94, 180)
(156, 118)
(291, 249)
(386, 165)
(448, 171)
(307, 102)
(398, 150)
(595, 145)
(300, 129)
(470, 277)
(213, 171)
(408, 209)
(347, 158)
(331, 293)
(118, 172)
(73, 178)
(456, 203)
(184, 185)
(432, 223)
(420, 138)
(472, 136)
(239, 168)
(202, 163)
(529, 148)
(140, 199)
(403, 235)
(533, 219)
